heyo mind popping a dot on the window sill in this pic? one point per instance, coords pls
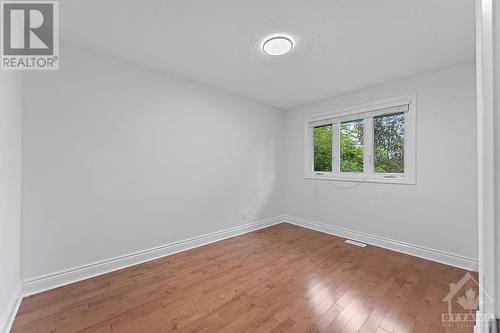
(364, 179)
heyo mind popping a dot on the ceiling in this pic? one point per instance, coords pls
(341, 45)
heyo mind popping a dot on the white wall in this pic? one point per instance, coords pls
(119, 158)
(440, 211)
(10, 191)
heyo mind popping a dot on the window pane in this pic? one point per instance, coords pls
(323, 148)
(351, 146)
(389, 143)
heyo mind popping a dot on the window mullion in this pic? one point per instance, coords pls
(368, 144)
(336, 148)
(310, 150)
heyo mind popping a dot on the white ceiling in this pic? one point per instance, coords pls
(341, 45)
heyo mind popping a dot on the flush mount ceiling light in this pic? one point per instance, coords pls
(278, 45)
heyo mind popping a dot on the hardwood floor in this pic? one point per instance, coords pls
(280, 279)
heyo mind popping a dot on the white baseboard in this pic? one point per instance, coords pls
(414, 250)
(10, 311)
(61, 278)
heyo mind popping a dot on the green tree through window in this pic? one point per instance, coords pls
(323, 148)
(351, 146)
(389, 143)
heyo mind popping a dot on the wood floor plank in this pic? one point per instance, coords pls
(279, 279)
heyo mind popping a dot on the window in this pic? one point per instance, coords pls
(389, 143)
(373, 142)
(323, 148)
(351, 146)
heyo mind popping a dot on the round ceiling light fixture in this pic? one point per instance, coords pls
(277, 45)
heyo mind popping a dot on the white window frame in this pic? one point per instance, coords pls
(367, 112)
